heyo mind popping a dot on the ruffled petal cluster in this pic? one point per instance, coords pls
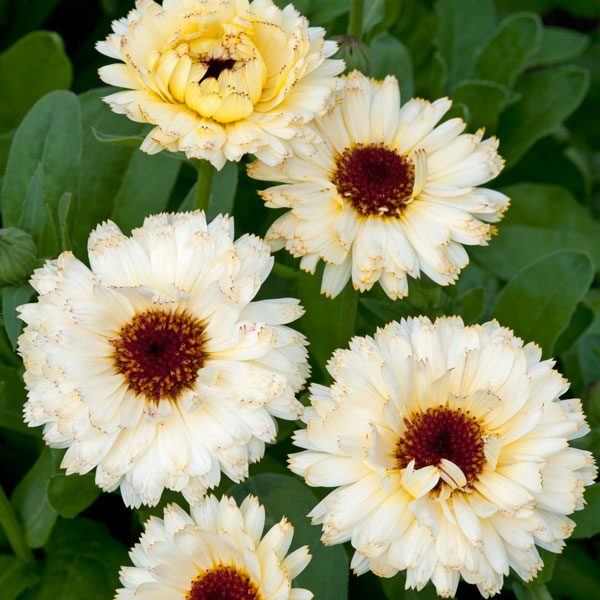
(154, 366)
(220, 78)
(218, 548)
(449, 450)
(390, 193)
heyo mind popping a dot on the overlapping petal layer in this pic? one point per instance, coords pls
(154, 366)
(388, 194)
(218, 551)
(220, 78)
(448, 448)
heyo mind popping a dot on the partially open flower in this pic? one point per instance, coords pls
(388, 194)
(220, 78)
(216, 553)
(449, 449)
(154, 366)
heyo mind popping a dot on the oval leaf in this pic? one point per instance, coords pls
(548, 97)
(539, 301)
(71, 494)
(327, 573)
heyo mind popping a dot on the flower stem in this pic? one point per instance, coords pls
(356, 19)
(14, 533)
(205, 175)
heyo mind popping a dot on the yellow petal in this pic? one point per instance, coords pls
(234, 106)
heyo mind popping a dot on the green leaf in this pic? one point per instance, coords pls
(485, 100)
(144, 189)
(390, 56)
(551, 161)
(557, 45)
(12, 398)
(463, 27)
(506, 52)
(382, 19)
(575, 576)
(580, 321)
(12, 297)
(327, 323)
(37, 218)
(15, 577)
(302, 6)
(424, 298)
(5, 141)
(43, 162)
(325, 11)
(83, 561)
(540, 220)
(327, 573)
(65, 213)
(548, 97)
(374, 13)
(30, 501)
(536, 309)
(588, 519)
(71, 494)
(222, 193)
(17, 255)
(130, 141)
(472, 304)
(531, 592)
(33, 66)
(117, 182)
(432, 76)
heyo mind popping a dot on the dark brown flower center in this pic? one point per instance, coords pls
(223, 583)
(442, 433)
(216, 67)
(375, 179)
(159, 353)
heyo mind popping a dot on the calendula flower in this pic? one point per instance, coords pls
(448, 446)
(220, 78)
(387, 194)
(217, 552)
(154, 366)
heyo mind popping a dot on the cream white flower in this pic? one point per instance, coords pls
(387, 194)
(155, 366)
(220, 78)
(448, 446)
(217, 552)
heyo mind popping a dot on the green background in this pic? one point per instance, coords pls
(528, 71)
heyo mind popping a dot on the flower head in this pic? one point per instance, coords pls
(220, 78)
(387, 194)
(155, 366)
(448, 446)
(216, 552)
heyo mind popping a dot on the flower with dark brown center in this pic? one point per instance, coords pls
(159, 353)
(440, 433)
(223, 582)
(374, 179)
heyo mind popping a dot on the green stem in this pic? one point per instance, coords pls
(14, 533)
(205, 175)
(355, 25)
